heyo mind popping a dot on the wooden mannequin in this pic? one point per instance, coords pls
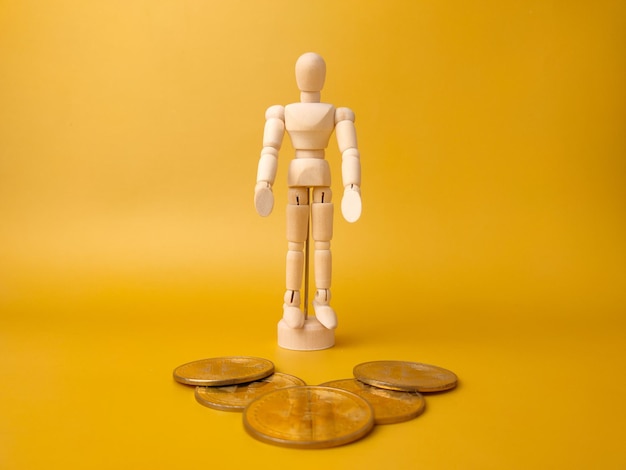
(309, 123)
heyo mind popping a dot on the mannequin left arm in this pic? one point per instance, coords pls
(350, 164)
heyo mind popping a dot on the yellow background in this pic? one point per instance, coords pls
(491, 242)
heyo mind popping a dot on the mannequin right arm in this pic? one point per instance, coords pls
(268, 163)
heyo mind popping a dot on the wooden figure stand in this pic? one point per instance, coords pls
(309, 123)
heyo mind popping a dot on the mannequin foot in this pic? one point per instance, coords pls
(293, 316)
(325, 315)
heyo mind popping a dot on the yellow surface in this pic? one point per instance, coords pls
(491, 243)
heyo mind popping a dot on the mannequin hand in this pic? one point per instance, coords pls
(351, 203)
(263, 198)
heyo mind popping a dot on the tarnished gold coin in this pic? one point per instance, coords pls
(390, 406)
(308, 417)
(405, 376)
(237, 397)
(220, 371)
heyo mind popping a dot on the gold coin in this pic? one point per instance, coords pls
(390, 406)
(405, 376)
(308, 417)
(237, 397)
(220, 371)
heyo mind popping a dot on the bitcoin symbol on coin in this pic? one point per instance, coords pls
(237, 397)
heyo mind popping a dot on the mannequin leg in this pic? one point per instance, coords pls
(297, 232)
(322, 229)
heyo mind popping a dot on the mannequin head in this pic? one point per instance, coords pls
(310, 72)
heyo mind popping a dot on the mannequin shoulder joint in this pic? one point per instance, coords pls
(276, 111)
(344, 114)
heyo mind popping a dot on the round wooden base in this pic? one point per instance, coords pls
(313, 336)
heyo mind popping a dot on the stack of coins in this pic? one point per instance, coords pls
(231, 383)
(281, 409)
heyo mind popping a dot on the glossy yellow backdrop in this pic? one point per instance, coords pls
(492, 240)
